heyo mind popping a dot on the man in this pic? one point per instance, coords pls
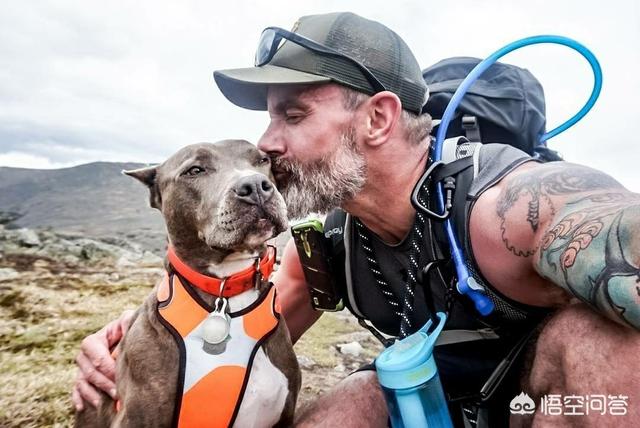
(345, 95)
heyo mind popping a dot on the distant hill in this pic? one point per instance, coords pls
(94, 199)
(90, 200)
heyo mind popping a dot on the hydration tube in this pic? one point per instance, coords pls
(467, 284)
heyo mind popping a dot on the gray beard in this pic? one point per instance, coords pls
(324, 184)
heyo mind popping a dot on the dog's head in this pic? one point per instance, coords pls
(222, 195)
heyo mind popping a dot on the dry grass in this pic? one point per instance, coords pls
(45, 313)
(44, 317)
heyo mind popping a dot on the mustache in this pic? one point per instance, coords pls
(279, 164)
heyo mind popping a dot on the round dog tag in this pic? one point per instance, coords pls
(216, 328)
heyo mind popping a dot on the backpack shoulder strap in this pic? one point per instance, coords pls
(338, 230)
(462, 161)
(458, 148)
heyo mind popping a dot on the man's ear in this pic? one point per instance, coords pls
(382, 116)
(147, 176)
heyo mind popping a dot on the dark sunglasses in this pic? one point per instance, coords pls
(272, 37)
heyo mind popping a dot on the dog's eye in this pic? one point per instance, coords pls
(265, 160)
(194, 170)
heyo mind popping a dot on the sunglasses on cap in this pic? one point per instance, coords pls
(272, 37)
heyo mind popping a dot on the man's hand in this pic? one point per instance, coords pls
(96, 366)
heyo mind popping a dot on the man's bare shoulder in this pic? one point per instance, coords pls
(509, 220)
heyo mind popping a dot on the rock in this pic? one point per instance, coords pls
(352, 348)
(124, 261)
(93, 250)
(8, 273)
(340, 368)
(131, 259)
(7, 217)
(76, 248)
(27, 238)
(70, 259)
(150, 259)
(306, 362)
(40, 264)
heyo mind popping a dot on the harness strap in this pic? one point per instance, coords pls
(211, 385)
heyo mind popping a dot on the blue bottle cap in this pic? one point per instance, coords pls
(409, 362)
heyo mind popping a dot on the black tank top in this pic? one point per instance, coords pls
(466, 366)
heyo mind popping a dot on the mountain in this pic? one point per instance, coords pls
(94, 200)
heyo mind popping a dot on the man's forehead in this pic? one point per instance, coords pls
(282, 95)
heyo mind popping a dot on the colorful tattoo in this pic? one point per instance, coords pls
(592, 248)
(558, 180)
(593, 251)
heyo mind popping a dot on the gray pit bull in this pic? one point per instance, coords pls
(220, 205)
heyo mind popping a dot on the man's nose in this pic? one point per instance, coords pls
(254, 189)
(270, 142)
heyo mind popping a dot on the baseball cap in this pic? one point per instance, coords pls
(370, 43)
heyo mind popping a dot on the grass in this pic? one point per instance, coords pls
(320, 341)
(49, 309)
(43, 318)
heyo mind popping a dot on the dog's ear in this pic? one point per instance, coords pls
(147, 176)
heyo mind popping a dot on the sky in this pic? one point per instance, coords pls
(132, 81)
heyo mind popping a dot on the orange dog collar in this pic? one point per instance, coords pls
(235, 284)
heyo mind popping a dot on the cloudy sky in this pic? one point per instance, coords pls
(132, 81)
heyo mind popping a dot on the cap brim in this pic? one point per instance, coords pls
(247, 87)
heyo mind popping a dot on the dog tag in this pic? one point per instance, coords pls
(216, 327)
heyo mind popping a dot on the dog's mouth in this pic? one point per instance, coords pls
(245, 227)
(263, 222)
(264, 225)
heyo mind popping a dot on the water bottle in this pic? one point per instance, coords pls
(409, 378)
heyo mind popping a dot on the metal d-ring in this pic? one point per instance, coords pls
(220, 305)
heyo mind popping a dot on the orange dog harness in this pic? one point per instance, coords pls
(211, 386)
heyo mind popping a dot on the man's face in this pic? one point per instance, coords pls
(312, 140)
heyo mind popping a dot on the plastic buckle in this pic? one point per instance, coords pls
(471, 128)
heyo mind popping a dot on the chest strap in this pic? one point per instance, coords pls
(210, 387)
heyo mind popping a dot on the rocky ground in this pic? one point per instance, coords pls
(57, 288)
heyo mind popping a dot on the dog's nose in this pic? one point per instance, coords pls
(255, 189)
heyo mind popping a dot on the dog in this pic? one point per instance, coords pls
(214, 308)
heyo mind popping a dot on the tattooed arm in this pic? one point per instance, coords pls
(578, 228)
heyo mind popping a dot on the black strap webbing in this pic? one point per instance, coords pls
(452, 168)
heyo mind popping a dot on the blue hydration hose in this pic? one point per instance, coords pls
(466, 284)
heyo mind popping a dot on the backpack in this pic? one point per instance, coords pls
(505, 105)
